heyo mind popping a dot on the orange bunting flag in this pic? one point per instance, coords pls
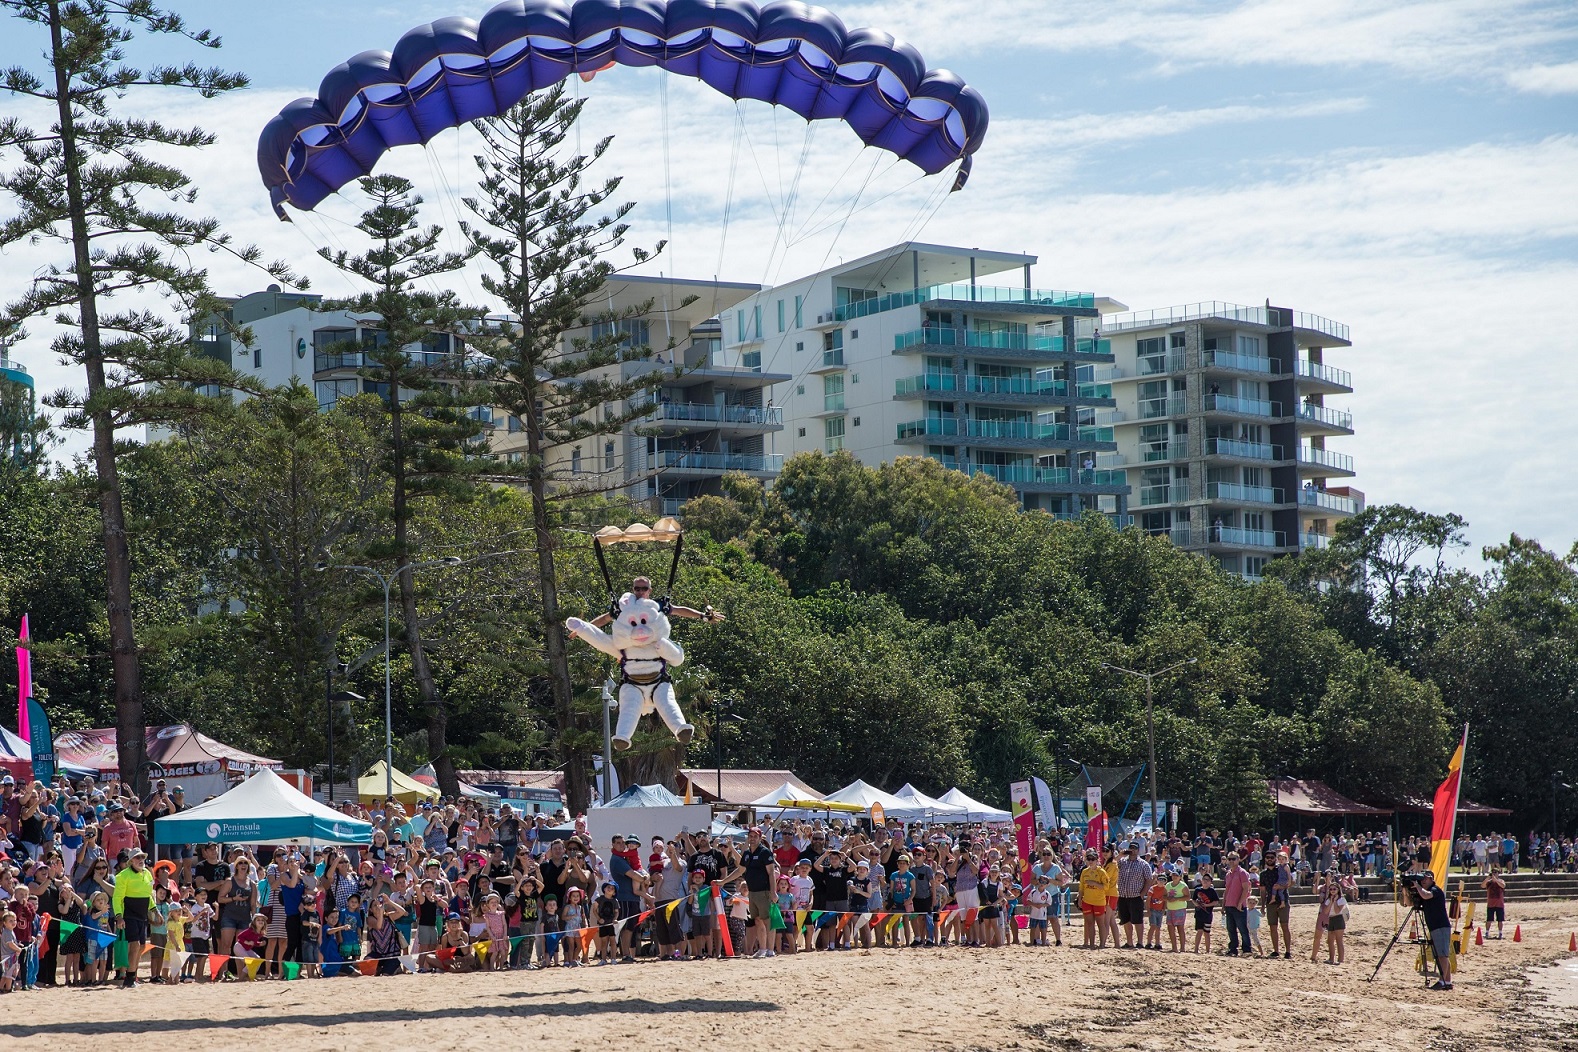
(969, 916)
(367, 967)
(843, 922)
(1443, 815)
(216, 964)
(588, 936)
(446, 953)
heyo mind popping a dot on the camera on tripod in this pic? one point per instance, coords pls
(1410, 883)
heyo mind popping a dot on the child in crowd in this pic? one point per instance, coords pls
(352, 921)
(497, 932)
(174, 942)
(1253, 915)
(574, 919)
(311, 936)
(1177, 910)
(1205, 898)
(552, 926)
(606, 912)
(739, 910)
(334, 932)
(10, 952)
(96, 957)
(1156, 910)
(788, 940)
(158, 930)
(698, 907)
(250, 942)
(1038, 898)
(202, 919)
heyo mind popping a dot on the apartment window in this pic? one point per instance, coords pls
(1249, 346)
(756, 321)
(752, 360)
(833, 434)
(515, 426)
(631, 332)
(833, 393)
(739, 316)
(375, 387)
(780, 315)
(1175, 341)
(833, 341)
(257, 357)
(802, 432)
(516, 458)
(331, 391)
(1149, 346)
(575, 460)
(799, 389)
(1255, 565)
(608, 456)
(799, 345)
(799, 301)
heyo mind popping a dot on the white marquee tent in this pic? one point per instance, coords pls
(975, 811)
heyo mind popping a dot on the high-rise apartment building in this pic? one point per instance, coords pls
(911, 351)
(1222, 423)
(18, 408)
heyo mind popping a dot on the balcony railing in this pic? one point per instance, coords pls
(1010, 430)
(1316, 541)
(322, 362)
(1156, 365)
(833, 359)
(1228, 447)
(1319, 498)
(1244, 363)
(833, 403)
(1325, 458)
(1175, 493)
(709, 413)
(956, 383)
(1170, 405)
(1220, 403)
(1248, 538)
(1320, 414)
(13, 366)
(1032, 474)
(970, 293)
(1233, 491)
(1154, 451)
(678, 458)
(1326, 373)
(942, 336)
(1272, 319)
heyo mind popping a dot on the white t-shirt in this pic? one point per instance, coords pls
(1037, 899)
(800, 888)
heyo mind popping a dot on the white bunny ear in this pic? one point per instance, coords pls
(626, 599)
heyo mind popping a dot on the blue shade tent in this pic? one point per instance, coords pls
(455, 70)
(646, 796)
(264, 809)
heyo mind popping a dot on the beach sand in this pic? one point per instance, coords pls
(1508, 995)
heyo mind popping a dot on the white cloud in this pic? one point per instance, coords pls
(1546, 80)
(1428, 38)
(1092, 129)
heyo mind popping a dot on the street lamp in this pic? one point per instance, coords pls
(453, 560)
(1557, 785)
(1150, 722)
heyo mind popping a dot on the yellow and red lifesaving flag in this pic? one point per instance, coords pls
(1443, 821)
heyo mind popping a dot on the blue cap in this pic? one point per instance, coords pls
(453, 916)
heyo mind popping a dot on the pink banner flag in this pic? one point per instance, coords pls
(24, 683)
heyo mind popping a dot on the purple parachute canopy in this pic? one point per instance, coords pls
(454, 70)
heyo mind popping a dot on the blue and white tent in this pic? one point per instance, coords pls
(264, 809)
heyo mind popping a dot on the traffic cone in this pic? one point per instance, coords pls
(1479, 935)
(1572, 943)
(1517, 933)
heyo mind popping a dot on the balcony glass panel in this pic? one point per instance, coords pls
(1319, 414)
(1325, 458)
(1248, 538)
(970, 293)
(1317, 498)
(1245, 363)
(1236, 492)
(1227, 447)
(942, 336)
(1244, 406)
(1318, 371)
(678, 458)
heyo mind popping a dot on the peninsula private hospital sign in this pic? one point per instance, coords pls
(226, 830)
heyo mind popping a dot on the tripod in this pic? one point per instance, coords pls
(1415, 912)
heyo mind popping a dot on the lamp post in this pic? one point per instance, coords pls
(1150, 721)
(453, 560)
(1557, 785)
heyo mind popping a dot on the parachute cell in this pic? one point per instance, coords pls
(455, 70)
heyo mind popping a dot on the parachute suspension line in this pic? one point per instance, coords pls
(922, 218)
(830, 221)
(449, 205)
(785, 229)
(668, 182)
(318, 237)
(728, 206)
(817, 208)
(766, 190)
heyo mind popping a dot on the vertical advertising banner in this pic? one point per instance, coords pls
(1024, 813)
(1092, 801)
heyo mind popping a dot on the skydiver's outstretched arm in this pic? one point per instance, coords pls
(708, 614)
(592, 635)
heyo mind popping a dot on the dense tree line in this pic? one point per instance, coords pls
(897, 623)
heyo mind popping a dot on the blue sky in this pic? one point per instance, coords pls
(1404, 167)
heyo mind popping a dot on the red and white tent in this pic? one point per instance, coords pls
(204, 767)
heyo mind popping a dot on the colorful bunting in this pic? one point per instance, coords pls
(252, 964)
(407, 961)
(216, 964)
(292, 970)
(368, 967)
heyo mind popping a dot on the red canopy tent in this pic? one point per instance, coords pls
(1312, 797)
(203, 766)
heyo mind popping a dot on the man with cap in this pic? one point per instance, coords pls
(10, 808)
(119, 833)
(1134, 880)
(133, 898)
(759, 867)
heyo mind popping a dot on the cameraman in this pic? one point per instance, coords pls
(1432, 902)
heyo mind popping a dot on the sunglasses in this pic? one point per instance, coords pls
(641, 588)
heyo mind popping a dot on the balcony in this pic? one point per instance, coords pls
(1152, 408)
(1319, 498)
(322, 362)
(1233, 492)
(1020, 432)
(1324, 417)
(1220, 403)
(996, 388)
(1340, 463)
(1240, 363)
(1176, 493)
(833, 402)
(745, 416)
(1323, 374)
(999, 344)
(1022, 476)
(1228, 447)
(717, 463)
(1052, 300)
(1159, 365)
(1272, 318)
(1315, 541)
(1239, 537)
(1152, 452)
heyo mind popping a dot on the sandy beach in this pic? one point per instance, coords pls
(1058, 998)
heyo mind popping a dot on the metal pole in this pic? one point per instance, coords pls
(1150, 736)
(388, 703)
(608, 742)
(328, 704)
(717, 737)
